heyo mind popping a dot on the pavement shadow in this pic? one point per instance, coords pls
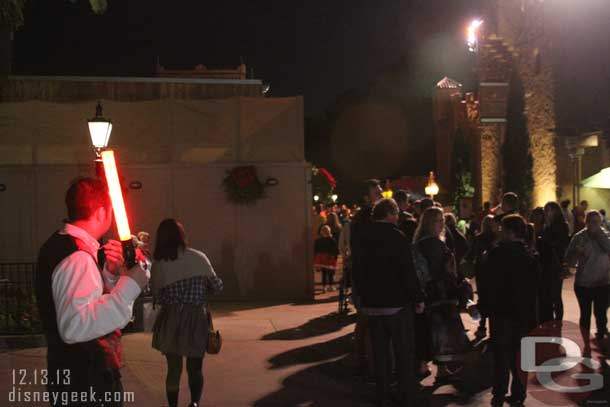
(314, 327)
(329, 384)
(446, 399)
(316, 352)
(332, 383)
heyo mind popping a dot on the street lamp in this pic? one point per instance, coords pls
(432, 187)
(387, 191)
(334, 197)
(316, 198)
(99, 130)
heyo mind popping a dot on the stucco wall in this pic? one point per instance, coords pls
(261, 251)
(158, 131)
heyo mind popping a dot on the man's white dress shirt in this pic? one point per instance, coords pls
(83, 311)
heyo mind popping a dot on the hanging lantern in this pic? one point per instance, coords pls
(99, 130)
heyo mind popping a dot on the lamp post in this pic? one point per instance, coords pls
(99, 130)
(432, 187)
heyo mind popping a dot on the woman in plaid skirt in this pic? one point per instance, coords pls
(182, 278)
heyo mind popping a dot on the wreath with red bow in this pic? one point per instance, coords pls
(242, 185)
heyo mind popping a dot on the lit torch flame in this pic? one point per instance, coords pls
(118, 205)
(472, 34)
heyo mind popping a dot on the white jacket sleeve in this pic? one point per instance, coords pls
(83, 311)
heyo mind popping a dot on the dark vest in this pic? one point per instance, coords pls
(83, 359)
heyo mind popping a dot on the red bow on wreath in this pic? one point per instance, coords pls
(331, 180)
(243, 176)
(242, 185)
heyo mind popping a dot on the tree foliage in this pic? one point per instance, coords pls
(462, 170)
(97, 6)
(11, 11)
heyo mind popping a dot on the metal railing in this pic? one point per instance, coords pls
(18, 310)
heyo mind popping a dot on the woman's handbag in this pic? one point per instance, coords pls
(214, 339)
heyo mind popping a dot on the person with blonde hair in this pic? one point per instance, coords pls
(435, 265)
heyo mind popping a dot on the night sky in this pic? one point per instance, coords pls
(317, 48)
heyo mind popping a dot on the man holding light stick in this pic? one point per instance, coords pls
(82, 307)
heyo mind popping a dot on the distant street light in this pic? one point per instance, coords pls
(316, 198)
(387, 191)
(432, 187)
(334, 197)
(473, 34)
(99, 130)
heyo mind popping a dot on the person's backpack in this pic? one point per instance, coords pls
(422, 268)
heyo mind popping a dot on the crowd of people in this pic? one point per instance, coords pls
(408, 263)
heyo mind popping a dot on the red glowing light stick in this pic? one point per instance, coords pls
(118, 205)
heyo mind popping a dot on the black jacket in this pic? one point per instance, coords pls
(498, 218)
(510, 275)
(388, 274)
(326, 245)
(443, 283)
(552, 248)
(407, 225)
(460, 244)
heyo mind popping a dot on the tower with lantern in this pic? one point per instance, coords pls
(511, 48)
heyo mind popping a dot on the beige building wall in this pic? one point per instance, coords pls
(179, 151)
(594, 160)
(262, 251)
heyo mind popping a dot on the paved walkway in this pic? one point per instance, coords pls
(273, 355)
